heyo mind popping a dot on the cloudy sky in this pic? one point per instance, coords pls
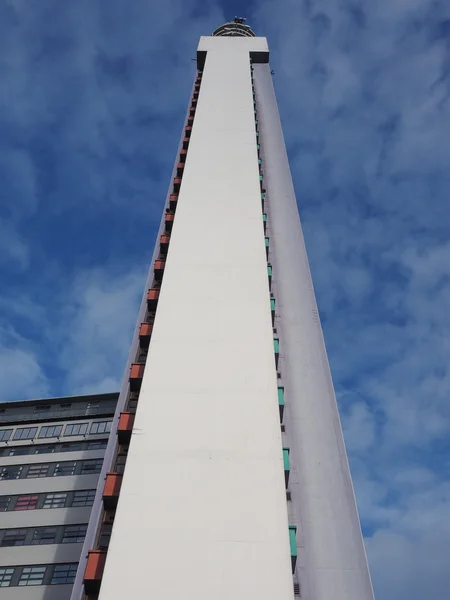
(92, 102)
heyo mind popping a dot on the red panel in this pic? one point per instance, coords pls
(146, 330)
(95, 566)
(153, 294)
(137, 371)
(159, 265)
(113, 482)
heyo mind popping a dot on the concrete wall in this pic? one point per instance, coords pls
(332, 561)
(202, 511)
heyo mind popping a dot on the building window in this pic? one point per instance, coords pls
(44, 535)
(32, 576)
(4, 503)
(10, 472)
(5, 434)
(14, 537)
(18, 451)
(101, 427)
(50, 431)
(72, 447)
(42, 407)
(26, 502)
(55, 500)
(97, 445)
(65, 468)
(105, 536)
(89, 467)
(64, 574)
(76, 429)
(26, 433)
(44, 449)
(74, 534)
(83, 498)
(37, 471)
(5, 577)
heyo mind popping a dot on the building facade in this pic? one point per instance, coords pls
(51, 454)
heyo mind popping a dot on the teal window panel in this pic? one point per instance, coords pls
(256, 121)
(293, 545)
(267, 242)
(258, 147)
(263, 195)
(287, 464)
(259, 161)
(272, 304)
(260, 177)
(276, 345)
(280, 395)
(257, 134)
(265, 217)
(269, 270)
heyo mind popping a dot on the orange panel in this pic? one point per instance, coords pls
(94, 569)
(159, 265)
(164, 239)
(113, 482)
(146, 330)
(137, 371)
(153, 294)
(126, 421)
(177, 181)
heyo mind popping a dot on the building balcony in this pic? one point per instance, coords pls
(287, 465)
(164, 241)
(272, 310)
(176, 184)
(136, 375)
(188, 131)
(281, 401)
(111, 490)
(190, 121)
(158, 268)
(152, 298)
(269, 274)
(180, 169)
(145, 333)
(192, 111)
(183, 155)
(94, 571)
(276, 349)
(125, 427)
(185, 143)
(168, 222)
(293, 545)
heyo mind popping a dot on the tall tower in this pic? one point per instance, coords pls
(236, 483)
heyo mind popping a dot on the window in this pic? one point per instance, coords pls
(105, 536)
(90, 467)
(5, 577)
(44, 535)
(76, 429)
(14, 537)
(83, 498)
(65, 468)
(50, 431)
(101, 427)
(44, 449)
(65, 406)
(74, 534)
(55, 500)
(36, 471)
(26, 433)
(72, 447)
(4, 503)
(10, 472)
(18, 451)
(97, 445)
(32, 576)
(5, 434)
(64, 574)
(42, 407)
(26, 502)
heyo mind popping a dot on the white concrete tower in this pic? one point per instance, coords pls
(236, 484)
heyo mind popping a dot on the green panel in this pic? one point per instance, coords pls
(276, 345)
(258, 147)
(256, 121)
(257, 134)
(259, 161)
(260, 177)
(280, 395)
(267, 242)
(263, 195)
(272, 304)
(287, 464)
(293, 539)
(269, 270)
(265, 217)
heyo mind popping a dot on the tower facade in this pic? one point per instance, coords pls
(236, 483)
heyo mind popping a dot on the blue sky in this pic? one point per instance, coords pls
(92, 101)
